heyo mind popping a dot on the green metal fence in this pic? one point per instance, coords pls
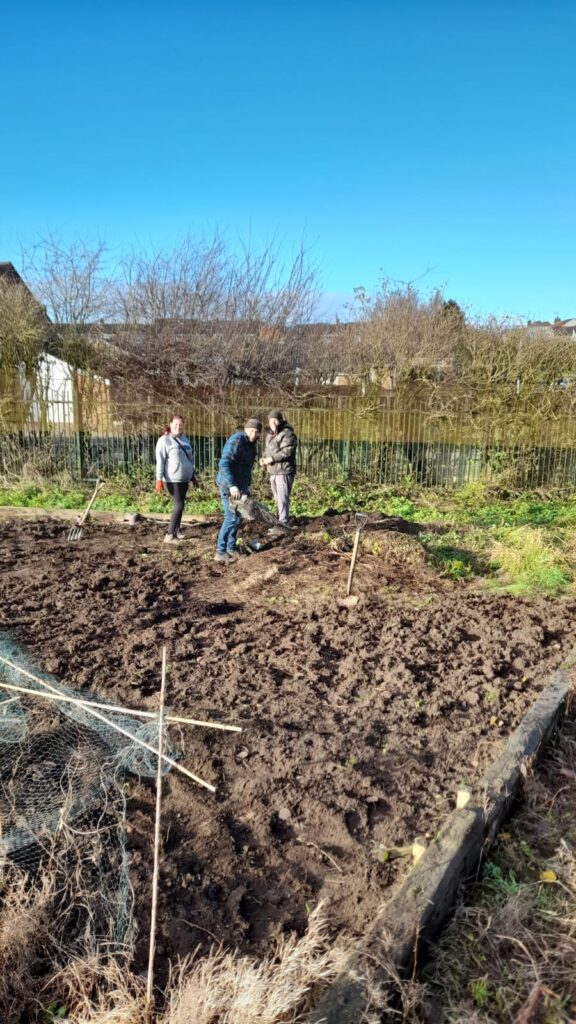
(382, 439)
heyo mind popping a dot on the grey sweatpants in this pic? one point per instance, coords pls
(281, 484)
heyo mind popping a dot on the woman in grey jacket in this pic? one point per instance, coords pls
(174, 469)
(280, 461)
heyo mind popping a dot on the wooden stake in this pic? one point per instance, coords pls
(88, 707)
(152, 951)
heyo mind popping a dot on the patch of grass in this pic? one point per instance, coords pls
(312, 497)
(476, 506)
(117, 496)
(397, 505)
(456, 555)
(39, 496)
(527, 560)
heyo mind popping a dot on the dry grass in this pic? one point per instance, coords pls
(222, 988)
(24, 938)
(99, 990)
(39, 978)
(528, 560)
(240, 990)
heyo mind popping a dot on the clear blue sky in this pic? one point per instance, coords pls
(394, 136)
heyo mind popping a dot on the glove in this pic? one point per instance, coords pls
(158, 487)
(235, 493)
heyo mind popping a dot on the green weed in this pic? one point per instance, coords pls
(400, 506)
(37, 496)
(497, 885)
(479, 990)
(53, 1013)
(455, 555)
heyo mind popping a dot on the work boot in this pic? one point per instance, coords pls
(170, 539)
(225, 558)
(233, 556)
(180, 535)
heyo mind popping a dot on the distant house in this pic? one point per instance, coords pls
(556, 326)
(9, 275)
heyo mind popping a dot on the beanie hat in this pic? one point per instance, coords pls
(253, 422)
(276, 414)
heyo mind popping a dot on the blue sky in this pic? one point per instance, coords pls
(396, 138)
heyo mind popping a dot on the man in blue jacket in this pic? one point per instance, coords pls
(234, 478)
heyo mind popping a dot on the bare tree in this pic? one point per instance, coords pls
(24, 338)
(71, 281)
(395, 339)
(205, 314)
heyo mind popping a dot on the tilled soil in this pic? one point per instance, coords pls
(358, 725)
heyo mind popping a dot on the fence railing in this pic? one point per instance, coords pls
(383, 440)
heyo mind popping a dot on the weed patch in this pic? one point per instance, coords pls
(527, 560)
(456, 555)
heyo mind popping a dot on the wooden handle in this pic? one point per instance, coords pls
(353, 562)
(99, 486)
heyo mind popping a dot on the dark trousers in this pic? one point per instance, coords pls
(178, 494)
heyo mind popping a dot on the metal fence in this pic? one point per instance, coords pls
(383, 440)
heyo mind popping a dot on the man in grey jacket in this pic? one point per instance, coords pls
(175, 469)
(280, 461)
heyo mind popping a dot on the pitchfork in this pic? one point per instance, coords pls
(350, 601)
(76, 531)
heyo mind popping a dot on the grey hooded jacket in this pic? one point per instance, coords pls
(174, 459)
(281, 448)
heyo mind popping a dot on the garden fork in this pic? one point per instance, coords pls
(76, 531)
(361, 519)
(351, 600)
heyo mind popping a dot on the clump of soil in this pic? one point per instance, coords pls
(358, 725)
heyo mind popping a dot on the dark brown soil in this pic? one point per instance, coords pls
(359, 725)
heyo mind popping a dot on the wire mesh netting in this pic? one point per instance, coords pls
(63, 771)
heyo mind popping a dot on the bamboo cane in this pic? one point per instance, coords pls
(171, 719)
(155, 873)
(86, 706)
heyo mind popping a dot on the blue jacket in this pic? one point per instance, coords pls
(236, 462)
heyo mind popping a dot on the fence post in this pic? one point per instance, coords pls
(346, 460)
(80, 453)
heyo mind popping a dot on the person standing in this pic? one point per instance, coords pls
(280, 461)
(234, 479)
(175, 470)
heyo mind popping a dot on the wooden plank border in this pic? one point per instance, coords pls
(397, 941)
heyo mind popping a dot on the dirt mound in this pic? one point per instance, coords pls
(359, 726)
(334, 521)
